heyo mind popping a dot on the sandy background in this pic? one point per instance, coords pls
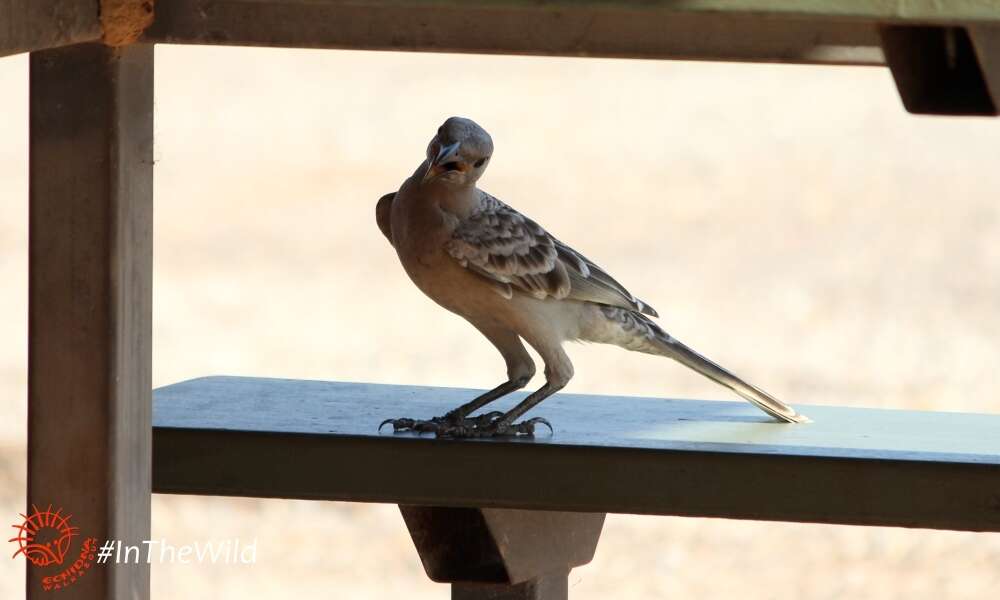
(793, 223)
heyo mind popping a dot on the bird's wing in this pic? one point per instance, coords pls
(593, 284)
(503, 245)
(383, 215)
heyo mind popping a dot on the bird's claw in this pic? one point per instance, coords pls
(399, 424)
(417, 425)
(450, 424)
(501, 427)
(491, 424)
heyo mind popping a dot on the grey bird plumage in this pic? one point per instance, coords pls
(514, 281)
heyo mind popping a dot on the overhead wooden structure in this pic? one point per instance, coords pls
(89, 419)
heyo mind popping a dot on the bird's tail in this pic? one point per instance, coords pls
(633, 331)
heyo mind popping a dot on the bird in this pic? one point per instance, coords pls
(516, 283)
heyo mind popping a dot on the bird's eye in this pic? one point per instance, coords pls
(480, 163)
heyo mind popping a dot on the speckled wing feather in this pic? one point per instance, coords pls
(592, 283)
(503, 245)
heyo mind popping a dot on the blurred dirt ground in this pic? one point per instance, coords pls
(791, 222)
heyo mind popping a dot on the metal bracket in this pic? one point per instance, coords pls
(939, 69)
(502, 554)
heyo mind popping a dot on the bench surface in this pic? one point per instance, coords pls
(319, 440)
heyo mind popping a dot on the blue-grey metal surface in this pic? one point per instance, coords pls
(314, 439)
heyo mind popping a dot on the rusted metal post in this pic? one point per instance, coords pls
(90, 301)
(502, 554)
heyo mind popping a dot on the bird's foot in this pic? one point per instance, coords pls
(504, 428)
(449, 425)
(491, 424)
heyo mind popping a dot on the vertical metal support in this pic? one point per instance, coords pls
(90, 305)
(502, 554)
(554, 586)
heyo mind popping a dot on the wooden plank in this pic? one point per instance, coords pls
(610, 29)
(318, 440)
(27, 25)
(90, 298)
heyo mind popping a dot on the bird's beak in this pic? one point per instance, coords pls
(445, 155)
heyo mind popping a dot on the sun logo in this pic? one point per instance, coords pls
(44, 537)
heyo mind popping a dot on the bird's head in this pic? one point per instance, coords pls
(458, 153)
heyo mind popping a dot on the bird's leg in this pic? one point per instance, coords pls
(505, 425)
(558, 372)
(456, 422)
(459, 414)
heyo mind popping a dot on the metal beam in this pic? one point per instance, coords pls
(928, 11)
(610, 29)
(90, 299)
(27, 25)
(234, 436)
